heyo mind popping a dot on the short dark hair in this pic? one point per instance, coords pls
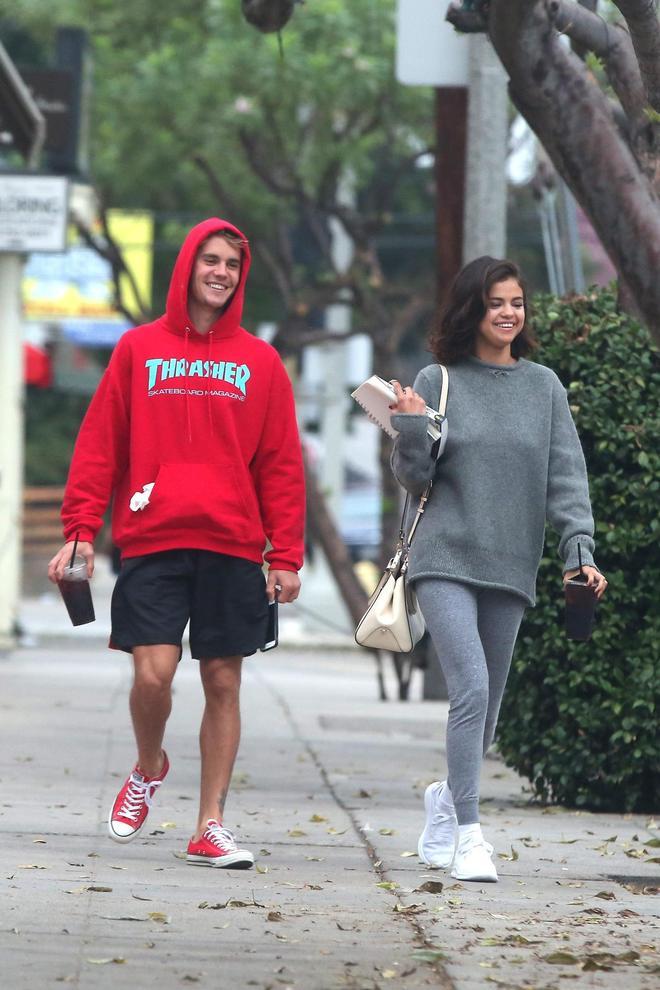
(228, 235)
(454, 335)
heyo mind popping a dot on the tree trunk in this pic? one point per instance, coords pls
(571, 117)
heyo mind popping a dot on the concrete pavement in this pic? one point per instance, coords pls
(328, 793)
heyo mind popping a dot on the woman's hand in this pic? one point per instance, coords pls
(595, 579)
(407, 401)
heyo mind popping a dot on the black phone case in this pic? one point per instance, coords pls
(272, 628)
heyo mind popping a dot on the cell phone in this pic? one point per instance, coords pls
(272, 627)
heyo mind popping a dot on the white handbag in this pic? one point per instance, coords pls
(393, 620)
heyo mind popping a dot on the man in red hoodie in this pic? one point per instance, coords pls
(192, 433)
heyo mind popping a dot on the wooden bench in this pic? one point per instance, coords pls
(42, 528)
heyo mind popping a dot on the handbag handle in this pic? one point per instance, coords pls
(439, 446)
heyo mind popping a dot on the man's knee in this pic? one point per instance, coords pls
(154, 669)
(221, 679)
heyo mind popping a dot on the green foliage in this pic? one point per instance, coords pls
(580, 719)
(52, 418)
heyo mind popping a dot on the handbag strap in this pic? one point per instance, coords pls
(438, 447)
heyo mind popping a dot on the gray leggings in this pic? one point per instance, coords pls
(473, 631)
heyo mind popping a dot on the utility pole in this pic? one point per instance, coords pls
(337, 321)
(22, 119)
(451, 103)
(11, 445)
(487, 146)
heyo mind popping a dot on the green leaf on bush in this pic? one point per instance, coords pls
(579, 720)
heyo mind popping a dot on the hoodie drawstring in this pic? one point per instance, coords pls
(209, 411)
(185, 358)
(208, 382)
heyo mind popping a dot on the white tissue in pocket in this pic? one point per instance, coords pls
(141, 499)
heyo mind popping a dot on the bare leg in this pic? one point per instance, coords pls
(151, 702)
(219, 734)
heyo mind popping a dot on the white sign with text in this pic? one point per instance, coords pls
(33, 213)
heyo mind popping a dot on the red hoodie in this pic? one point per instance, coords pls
(209, 419)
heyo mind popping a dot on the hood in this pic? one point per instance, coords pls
(177, 317)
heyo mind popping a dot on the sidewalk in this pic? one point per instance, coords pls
(328, 793)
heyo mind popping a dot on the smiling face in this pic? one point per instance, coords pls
(215, 275)
(503, 321)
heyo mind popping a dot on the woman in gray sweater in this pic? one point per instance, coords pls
(512, 460)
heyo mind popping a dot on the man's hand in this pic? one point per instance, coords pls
(595, 579)
(61, 559)
(286, 583)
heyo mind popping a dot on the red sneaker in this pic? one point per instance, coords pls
(131, 807)
(217, 848)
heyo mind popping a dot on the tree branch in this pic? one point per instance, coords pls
(609, 42)
(277, 262)
(642, 20)
(108, 249)
(572, 119)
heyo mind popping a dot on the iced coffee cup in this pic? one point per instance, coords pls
(76, 592)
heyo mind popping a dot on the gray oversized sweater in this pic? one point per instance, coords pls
(513, 459)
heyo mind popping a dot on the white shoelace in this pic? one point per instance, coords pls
(220, 837)
(139, 792)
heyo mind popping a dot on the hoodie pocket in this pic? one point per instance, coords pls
(199, 496)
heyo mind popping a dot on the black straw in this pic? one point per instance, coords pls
(75, 547)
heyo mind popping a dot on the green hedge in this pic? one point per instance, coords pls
(579, 720)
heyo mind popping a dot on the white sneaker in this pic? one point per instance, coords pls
(438, 840)
(472, 861)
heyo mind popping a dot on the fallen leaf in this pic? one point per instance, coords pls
(606, 895)
(314, 859)
(30, 866)
(429, 887)
(318, 818)
(336, 831)
(408, 908)
(43, 842)
(104, 962)
(653, 843)
(296, 833)
(160, 917)
(388, 974)
(95, 889)
(407, 854)
(261, 869)
(168, 824)
(388, 885)
(138, 897)
(386, 831)
(428, 955)
(509, 858)
(562, 959)
(274, 916)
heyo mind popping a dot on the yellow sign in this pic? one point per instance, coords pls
(78, 284)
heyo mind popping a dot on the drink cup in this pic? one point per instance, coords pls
(580, 608)
(76, 592)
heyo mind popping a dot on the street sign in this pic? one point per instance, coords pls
(33, 213)
(429, 51)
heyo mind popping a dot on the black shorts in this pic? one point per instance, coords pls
(223, 597)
